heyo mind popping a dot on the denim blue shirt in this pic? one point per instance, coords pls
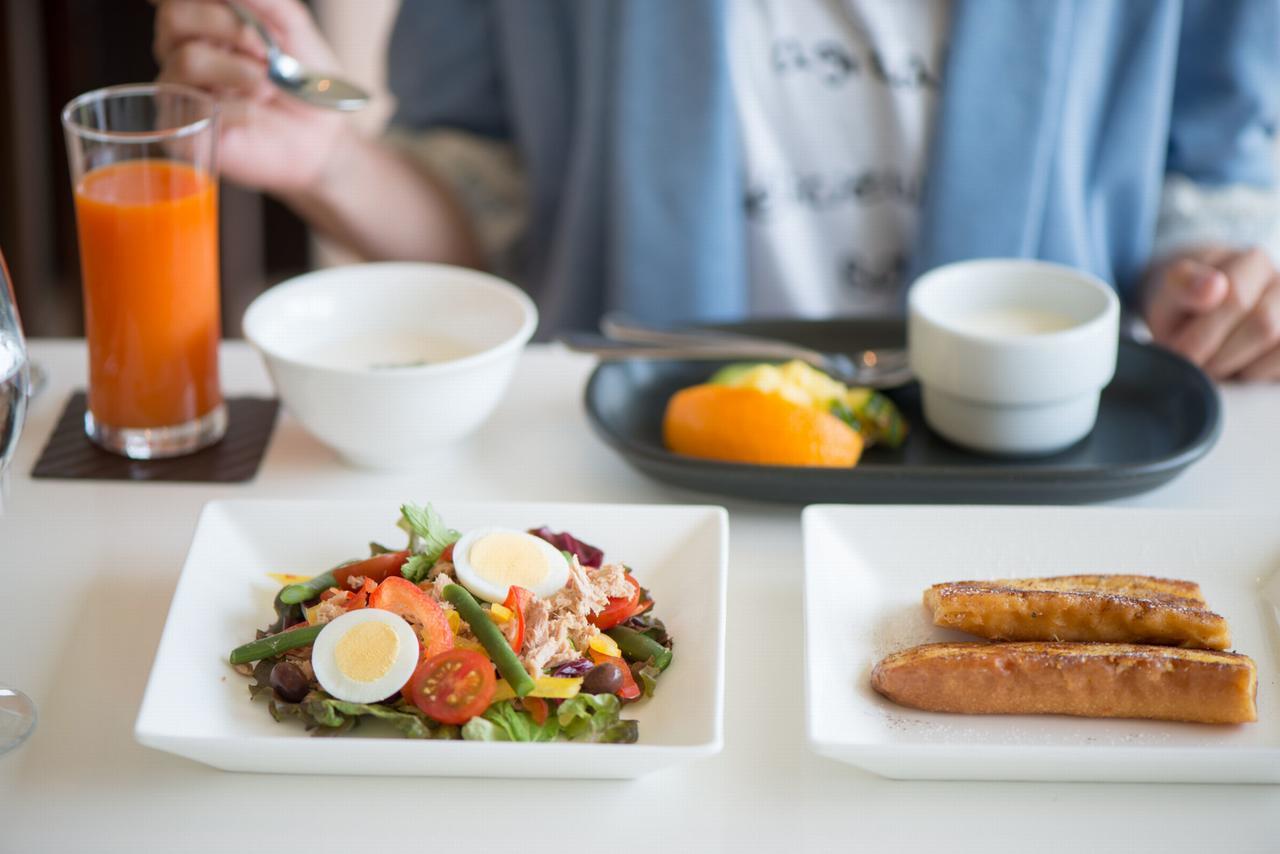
(1058, 123)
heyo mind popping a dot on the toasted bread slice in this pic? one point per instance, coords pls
(1104, 608)
(1096, 680)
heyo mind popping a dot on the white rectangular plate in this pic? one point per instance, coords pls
(198, 707)
(865, 571)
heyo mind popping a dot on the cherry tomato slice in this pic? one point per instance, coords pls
(403, 597)
(619, 609)
(629, 689)
(517, 600)
(378, 567)
(452, 687)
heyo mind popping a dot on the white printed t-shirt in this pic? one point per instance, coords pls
(836, 102)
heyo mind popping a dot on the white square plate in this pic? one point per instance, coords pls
(198, 707)
(865, 571)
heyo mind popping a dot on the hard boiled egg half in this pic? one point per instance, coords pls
(489, 561)
(365, 656)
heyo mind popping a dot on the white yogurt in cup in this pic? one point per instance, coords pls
(1012, 355)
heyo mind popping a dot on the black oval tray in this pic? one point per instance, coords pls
(1158, 416)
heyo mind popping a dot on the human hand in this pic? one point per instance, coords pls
(1220, 308)
(267, 140)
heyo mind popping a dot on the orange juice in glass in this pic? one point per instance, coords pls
(144, 176)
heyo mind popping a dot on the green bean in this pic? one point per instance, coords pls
(491, 638)
(639, 647)
(309, 589)
(273, 645)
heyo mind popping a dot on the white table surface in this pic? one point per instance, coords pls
(88, 570)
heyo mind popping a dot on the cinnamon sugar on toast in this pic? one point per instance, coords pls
(1097, 680)
(1102, 608)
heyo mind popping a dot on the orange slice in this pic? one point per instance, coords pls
(748, 426)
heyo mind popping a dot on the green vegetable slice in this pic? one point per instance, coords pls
(491, 638)
(273, 645)
(730, 373)
(640, 647)
(647, 675)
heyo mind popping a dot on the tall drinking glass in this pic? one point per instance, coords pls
(17, 712)
(144, 174)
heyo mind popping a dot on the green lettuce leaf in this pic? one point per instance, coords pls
(647, 624)
(648, 673)
(416, 568)
(596, 717)
(504, 722)
(326, 716)
(428, 538)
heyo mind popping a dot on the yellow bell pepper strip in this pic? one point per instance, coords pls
(547, 687)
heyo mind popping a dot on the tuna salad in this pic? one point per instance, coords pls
(498, 634)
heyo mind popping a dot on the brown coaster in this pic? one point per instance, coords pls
(70, 454)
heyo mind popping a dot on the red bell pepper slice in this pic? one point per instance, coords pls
(403, 597)
(517, 600)
(360, 598)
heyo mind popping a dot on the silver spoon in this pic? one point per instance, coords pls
(623, 339)
(318, 90)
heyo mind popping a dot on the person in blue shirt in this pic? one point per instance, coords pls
(710, 159)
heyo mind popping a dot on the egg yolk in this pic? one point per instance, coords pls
(366, 652)
(509, 558)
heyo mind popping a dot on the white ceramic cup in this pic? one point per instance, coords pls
(342, 347)
(1012, 355)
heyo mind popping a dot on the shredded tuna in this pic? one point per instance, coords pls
(329, 609)
(552, 637)
(557, 629)
(436, 588)
(611, 580)
(588, 591)
(580, 595)
(355, 582)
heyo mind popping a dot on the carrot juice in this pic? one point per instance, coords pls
(149, 257)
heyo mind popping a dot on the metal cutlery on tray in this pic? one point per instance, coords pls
(622, 338)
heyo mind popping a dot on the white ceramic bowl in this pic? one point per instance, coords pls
(385, 363)
(1012, 355)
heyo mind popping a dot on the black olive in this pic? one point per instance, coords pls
(602, 679)
(288, 682)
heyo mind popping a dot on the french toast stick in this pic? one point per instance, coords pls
(1104, 608)
(1096, 680)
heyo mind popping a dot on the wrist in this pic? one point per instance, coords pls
(331, 159)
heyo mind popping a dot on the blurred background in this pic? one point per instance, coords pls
(53, 50)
